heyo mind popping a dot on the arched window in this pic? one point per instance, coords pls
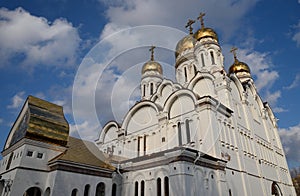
(158, 184)
(33, 191)
(136, 188)
(166, 183)
(187, 127)
(74, 192)
(114, 190)
(47, 192)
(185, 74)
(151, 88)
(87, 190)
(212, 57)
(275, 190)
(144, 90)
(202, 60)
(179, 134)
(100, 189)
(142, 188)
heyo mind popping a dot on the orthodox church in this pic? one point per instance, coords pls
(207, 133)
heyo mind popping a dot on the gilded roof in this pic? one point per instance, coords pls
(84, 152)
(40, 120)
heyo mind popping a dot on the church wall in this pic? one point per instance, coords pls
(64, 183)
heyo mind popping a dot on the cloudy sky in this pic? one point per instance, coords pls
(87, 55)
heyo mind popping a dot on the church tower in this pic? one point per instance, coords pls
(185, 61)
(152, 75)
(207, 49)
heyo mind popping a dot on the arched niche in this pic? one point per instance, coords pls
(140, 117)
(180, 102)
(109, 132)
(203, 85)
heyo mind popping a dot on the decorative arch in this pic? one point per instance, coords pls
(109, 132)
(163, 91)
(237, 85)
(202, 84)
(140, 116)
(180, 102)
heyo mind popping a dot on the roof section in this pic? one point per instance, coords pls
(83, 152)
(40, 120)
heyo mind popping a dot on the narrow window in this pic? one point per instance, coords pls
(195, 70)
(74, 192)
(188, 135)
(202, 59)
(230, 192)
(100, 189)
(136, 188)
(138, 146)
(144, 90)
(9, 160)
(145, 144)
(142, 188)
(151, 88)
(185, 74)
(114, 190)
(163, 139)
(212, 57)
(166, 183)
(179, 134)
(86, 190)
(158, 183)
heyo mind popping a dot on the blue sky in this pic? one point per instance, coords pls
(43, 43)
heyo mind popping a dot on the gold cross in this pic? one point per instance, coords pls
(189, 24)
(152, 52)
(233, 51)
(200, 17)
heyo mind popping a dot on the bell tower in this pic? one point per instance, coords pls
(152, 75)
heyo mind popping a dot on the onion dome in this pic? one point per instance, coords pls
(187, 42)
(238, 67)
(204, 31)
(152, 65)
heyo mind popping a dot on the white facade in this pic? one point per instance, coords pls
(207, 133)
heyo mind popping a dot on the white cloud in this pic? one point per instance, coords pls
(17, 100)
(296, 36)
(290, 138)
(295, 83)
(225, 15)
(35, 40)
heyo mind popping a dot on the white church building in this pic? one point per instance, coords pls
(207, 133)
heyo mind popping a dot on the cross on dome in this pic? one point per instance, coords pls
(189, 24)
(200, 18)
(152, 52)
(233, 51)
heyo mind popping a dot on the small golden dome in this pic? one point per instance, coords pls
(205, 32)
(185, 43)
(238, 66)
(152, 66)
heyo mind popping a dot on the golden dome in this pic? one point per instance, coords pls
(185, 43)
(152, 66)
(238, 66)
(205, 32)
